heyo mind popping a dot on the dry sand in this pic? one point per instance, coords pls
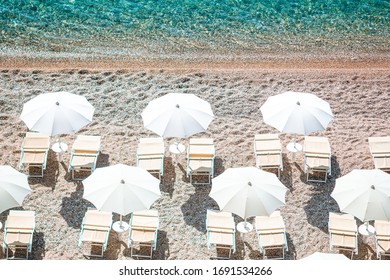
(359, 95)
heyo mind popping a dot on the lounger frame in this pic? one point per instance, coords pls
(382, 237)
(78, 152)
(30, 149)
(317, 158)
(342, 225)
(276, 227)
(380, 152)
(101, 227)
(200, 150)
(146, 221)
(20, 230)
(268, 152)
(226, 228)
(154, 153)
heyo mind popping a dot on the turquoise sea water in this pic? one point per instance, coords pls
(225, 25)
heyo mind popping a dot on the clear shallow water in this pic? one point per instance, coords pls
(159, 26)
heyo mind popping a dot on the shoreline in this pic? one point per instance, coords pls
(50, 64)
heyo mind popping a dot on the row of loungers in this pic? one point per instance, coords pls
(96, 226)
(317, 155)
(35, 149)
(221, 234)
(200, 155)
(86, 149)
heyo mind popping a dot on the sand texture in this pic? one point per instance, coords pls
(359, 98)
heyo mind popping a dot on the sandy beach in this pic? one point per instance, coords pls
(358, 90)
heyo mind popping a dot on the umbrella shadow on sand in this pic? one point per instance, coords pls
(38, 247)
(73, 208)
(321, 203)
(286, 174)
(168, 179)
(195, 208)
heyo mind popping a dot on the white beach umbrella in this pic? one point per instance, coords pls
(121, 189)
(296, 112)
(57, 113)
(319, 256)
(13, 187)
(248, 191)
(177, 115)
(364, 194)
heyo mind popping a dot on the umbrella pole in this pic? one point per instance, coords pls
(120, 221)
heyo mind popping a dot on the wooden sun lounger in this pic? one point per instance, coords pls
(271, 233)
(380, 152)
(343, 233)
(84, 155)
(150, 155)
(143, 232)
(221, 232)
(95, 230)
(200, 158)
(268, 152)
(317, 157)
(18, 232)
(382, 238)
(34, 152)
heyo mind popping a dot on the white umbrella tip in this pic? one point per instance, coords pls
(298, 103)
(373, 187)
(250, 184)
(58, 103)
(122, 181)
(177, 106)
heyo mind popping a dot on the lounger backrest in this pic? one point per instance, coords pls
(342, 223)
(201, 148)
(267, 143)
(270, 224)
(36, 142)
(382, 228)
(222, 221)
(20, 220)
(97, 219)
(86, 144)
(316, 146)
(379, 145)
(150, 149)
(145, 220)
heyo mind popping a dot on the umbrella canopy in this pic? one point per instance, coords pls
(57, 113)
(296, 112)
(364, 194)
(248, 191)
(13, 187)
(121, 189)
(318, 256)
(177, 115)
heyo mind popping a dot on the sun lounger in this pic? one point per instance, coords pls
(317, 157)
(382, 238)
(95, 230)
(200, 158)
(343, 233)
(34, 151)
(84, 155)
(143, 232)
(380, 152)
(18, 233)
(271, 234)
(268, 152)
(221, 232)
(150, 155)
